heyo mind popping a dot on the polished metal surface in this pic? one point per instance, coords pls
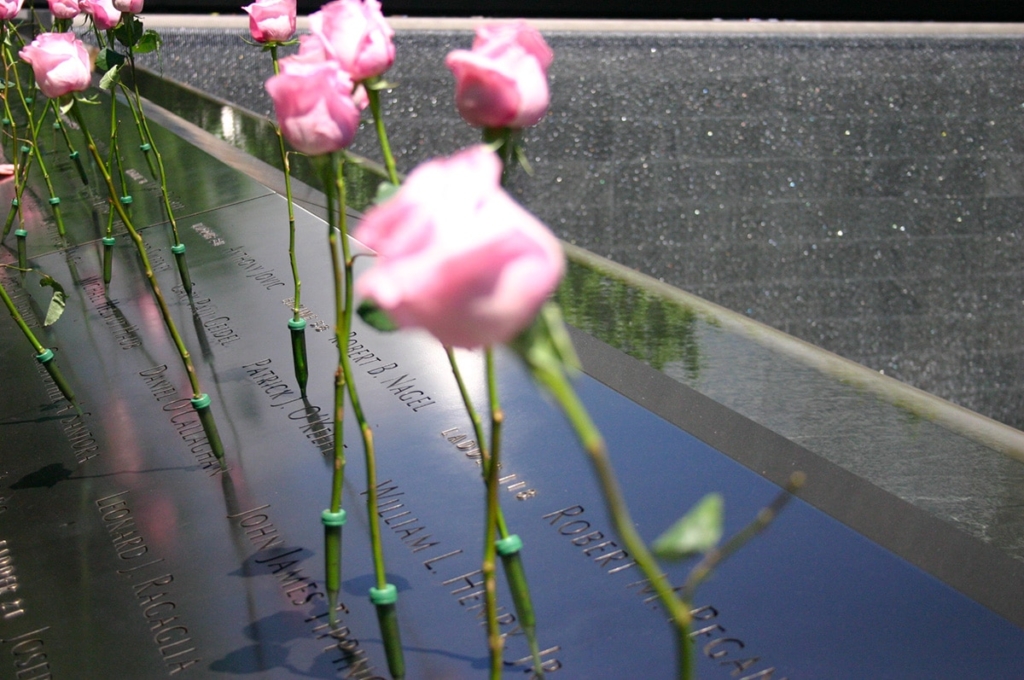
(128, 555)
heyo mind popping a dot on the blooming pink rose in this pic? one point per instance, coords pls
(129, 6)
(64, 9)
(9, 8)
(60, 63)
(503, 81)
(457, 256)
(355, 34)
(271, 20)
(102, 12)
(314, 106)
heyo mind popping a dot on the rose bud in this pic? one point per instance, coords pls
(355, 34)
(502, 82)
(103, 14)
(60, 63)
(457, 256)
(271, 20)
(314, 105)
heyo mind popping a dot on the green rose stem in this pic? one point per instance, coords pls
(113, 160)
(373, 95)
(200, 400)
(145, 146)
(43, 355)
(20, 168)
(72, 152)
(494, 640)
(510, 545)
(33, 131)
(384, 595)
(554, 379)
(333, 517)
(149, 144)
(296, 325)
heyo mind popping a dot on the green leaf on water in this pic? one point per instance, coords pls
(696, 532)
(375, 317)
(57, 302)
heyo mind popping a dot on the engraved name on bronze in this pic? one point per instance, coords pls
(315, 423)
(126, 334)
(121, 528)
(314, 320)
(73, 425)
(468, 588)
(184, 418)
(253, 270)
(11, 604)
(471, 450)
(727, 651)
(301, 590)
(170, 634)
(208, 234)
(402, 386)
(593, 544)
(217, 325)
(154, 596)
(30, 660)
(157, 260)
(21, 299)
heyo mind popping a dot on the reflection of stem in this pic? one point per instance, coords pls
(593, 443)
(714, 557)
(297, 324)
(200, 400)
(491, 466)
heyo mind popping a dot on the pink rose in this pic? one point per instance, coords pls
(355, 34)
(129, 6)
(64, 9)
(314, 106)
(9, 8)
(502, 82)
(457, 256)
(60, 63)
(271, 20)
(103, 14)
